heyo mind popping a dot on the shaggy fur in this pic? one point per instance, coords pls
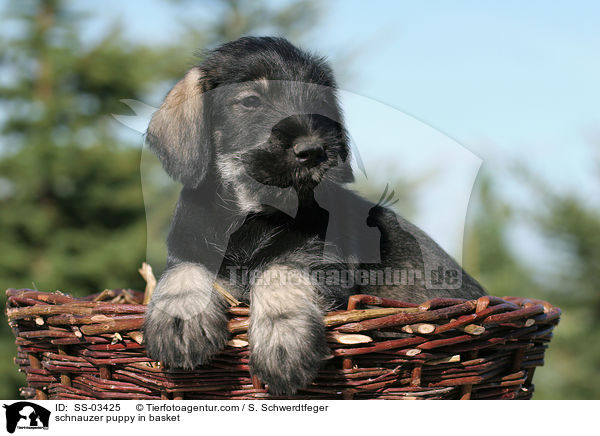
(256, 137)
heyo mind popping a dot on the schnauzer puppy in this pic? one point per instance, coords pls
(255, 136)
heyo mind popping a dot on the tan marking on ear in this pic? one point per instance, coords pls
(175, 131)
(186, 88)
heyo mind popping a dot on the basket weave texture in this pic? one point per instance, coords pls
(92, 348)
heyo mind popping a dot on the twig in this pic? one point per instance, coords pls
(346, 339)
(113, 326)
(230, 298)
(104, 295)
(147, 274)
(359, 315)
(237, 343)
(409, 317)
(137, 336)
(420, 328)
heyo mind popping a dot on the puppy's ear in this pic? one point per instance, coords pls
(178, 133)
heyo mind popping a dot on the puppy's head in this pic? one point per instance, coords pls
(256, 109)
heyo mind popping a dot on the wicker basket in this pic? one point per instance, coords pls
(92, 348)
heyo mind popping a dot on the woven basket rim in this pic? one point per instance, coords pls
(102, 333)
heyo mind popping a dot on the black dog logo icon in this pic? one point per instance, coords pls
(26, 415)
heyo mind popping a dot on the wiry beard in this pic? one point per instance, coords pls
(251, 195)
(276, 168)
(254, 187)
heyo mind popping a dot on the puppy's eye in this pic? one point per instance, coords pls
(251, 102)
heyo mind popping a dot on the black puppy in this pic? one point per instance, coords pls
(256, 137)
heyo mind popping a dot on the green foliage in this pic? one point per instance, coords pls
(571, 227)
(72, 215)
(403, 190)
(488, 255)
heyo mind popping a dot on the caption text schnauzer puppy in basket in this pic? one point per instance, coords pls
(255, 136)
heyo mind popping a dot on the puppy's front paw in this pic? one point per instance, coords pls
(182, 342)
(286, 353)
(286, 334)
(186, 321)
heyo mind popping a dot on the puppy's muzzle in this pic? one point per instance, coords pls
(309, 151)
(307, 137)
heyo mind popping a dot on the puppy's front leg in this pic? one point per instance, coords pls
(286, 334)
(186, 321)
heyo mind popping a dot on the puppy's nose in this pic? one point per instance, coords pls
(308, 151)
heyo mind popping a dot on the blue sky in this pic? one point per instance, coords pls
(505, 79)
(510, 81)
(502, 78)
(511, 71)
